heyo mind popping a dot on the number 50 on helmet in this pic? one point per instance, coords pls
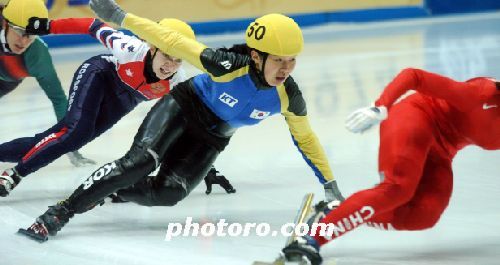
(275, 34)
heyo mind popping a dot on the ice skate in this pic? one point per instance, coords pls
(49, 223)
(8, 181)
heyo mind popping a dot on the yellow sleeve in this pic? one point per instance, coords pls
(168, 41)
(308, 144)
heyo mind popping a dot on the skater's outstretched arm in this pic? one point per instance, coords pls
(167, 40)
(461, 95)
(304, 138)
(124, 47)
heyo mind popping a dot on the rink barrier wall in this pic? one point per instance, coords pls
(344, 14)
(235, 25)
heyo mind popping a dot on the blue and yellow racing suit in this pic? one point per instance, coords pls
(186, 130)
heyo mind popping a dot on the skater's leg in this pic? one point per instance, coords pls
(429, 202)
(161, 128)
(140, 160)
(69, 134)
(184, 166)
(6, 87)
(77, 127)
(404, 147)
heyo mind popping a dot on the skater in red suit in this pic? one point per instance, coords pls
(419, 137)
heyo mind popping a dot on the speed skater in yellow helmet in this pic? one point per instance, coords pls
(179, 26)
(18, 12)
(275, 34)
(274, 41)
(163, 65)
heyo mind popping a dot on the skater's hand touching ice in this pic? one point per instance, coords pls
(78, 160)
(332, 192)
(214, 177)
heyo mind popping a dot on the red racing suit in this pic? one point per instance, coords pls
(418, 141)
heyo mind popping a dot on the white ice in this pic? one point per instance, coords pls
(343, 67)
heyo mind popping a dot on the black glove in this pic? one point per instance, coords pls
(213, 177)
(38, 26)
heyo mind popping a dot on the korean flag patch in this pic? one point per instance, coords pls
(259, 115)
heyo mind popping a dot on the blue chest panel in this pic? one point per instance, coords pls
(238, 102)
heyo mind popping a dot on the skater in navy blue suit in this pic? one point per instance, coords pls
(104, 89)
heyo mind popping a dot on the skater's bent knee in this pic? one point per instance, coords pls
(397, 193)
(168, 196)
(135, 157)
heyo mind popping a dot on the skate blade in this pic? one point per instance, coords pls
(279, 261)
(31, 235)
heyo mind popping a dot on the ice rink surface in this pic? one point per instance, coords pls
(343, 67)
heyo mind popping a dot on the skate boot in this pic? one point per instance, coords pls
(303, 250)
(8, 181)
(49, 223)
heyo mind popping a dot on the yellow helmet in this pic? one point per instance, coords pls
(275, 34)
(18, 12)
(179, 26)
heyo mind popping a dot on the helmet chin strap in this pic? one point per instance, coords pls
(3, 39)
(154, 54)
(260, 73)
(264, 60)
